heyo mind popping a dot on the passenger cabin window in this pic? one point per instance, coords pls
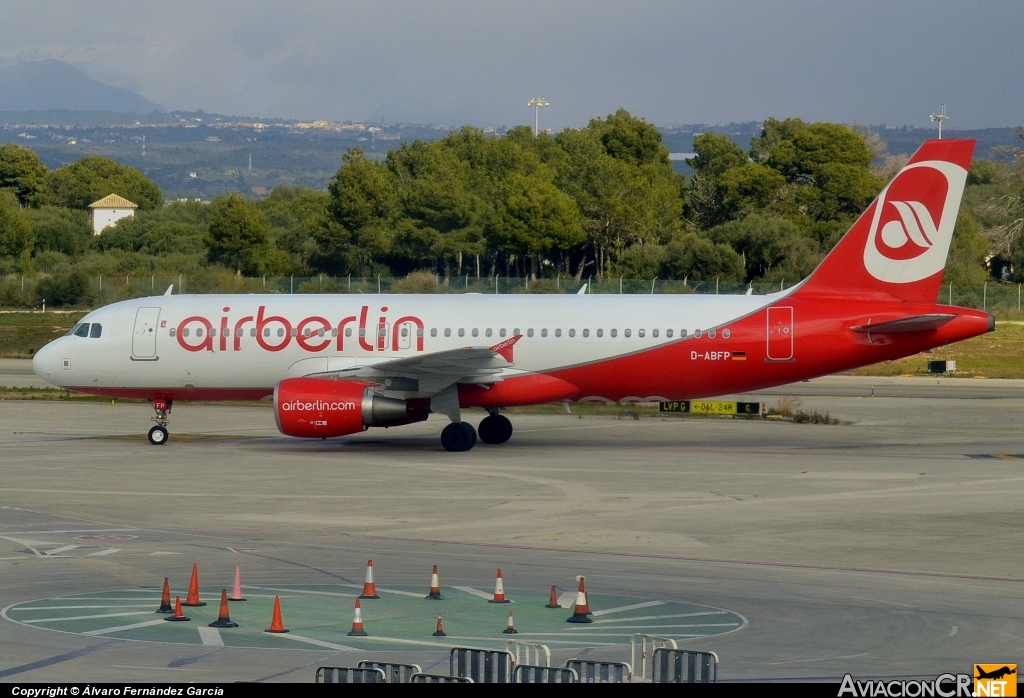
(280, 332)
(725, 334)
(447, 332)
(433, 331)
(516, 332)
(572, 333)
(348, 331)
(586, 333)
(614, 333)
(600, 333)
(476, 332)
(462, 332)
(654, 333)
(711, 333)
(628, 332)
(501, 332)
(668, 333)
(173, 331)
(96, 330)
(682, 333)
(83, 330)
(529, 332)
(697, 333)
(544, 332)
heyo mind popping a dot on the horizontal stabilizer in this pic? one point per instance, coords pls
(917, 323)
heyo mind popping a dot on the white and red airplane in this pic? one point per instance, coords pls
(338, 364)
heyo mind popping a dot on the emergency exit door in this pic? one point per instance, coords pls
(144, 338)
(780, 334)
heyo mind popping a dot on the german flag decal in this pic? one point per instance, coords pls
(739, 356)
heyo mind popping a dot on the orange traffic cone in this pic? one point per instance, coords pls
(553, 601)
(499, 591)
(178, 615)
(369, 588)
(165, 598)
(440, 628)
(223, 618)
(586, 597)
(510, 628)
(236, 590)
(276, 625)
(435, 587)
(357, 621)
(192, 599)
(579, 614)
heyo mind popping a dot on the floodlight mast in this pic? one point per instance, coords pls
(537, 103)
(940, 117)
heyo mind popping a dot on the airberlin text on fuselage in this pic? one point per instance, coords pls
(276, 332)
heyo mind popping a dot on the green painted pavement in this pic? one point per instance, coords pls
(321, 617)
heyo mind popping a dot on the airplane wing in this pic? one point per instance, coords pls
(917, 323)
(428, 374)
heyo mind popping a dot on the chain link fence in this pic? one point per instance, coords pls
(1000, 299)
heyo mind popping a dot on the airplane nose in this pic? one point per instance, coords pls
(47, 362)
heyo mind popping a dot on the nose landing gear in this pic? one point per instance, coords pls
(158, 434)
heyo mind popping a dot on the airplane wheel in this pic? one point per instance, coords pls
(158, 436)
(458, 437)
(496, 429)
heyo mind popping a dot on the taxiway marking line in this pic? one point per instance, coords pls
(631, 607)
(102, 615)
(108, 551)
(823, 659)
(952, 632)
(62, 549)
(303, 591)
(119, 628)
(318, 643)
(211, 636)
(61, 608)
(475, 592)
(892, 603)
(673, 615)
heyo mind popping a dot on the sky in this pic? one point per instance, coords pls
(480, 62)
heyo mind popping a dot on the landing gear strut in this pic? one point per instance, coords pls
(495, 429)
(458, 436)
(158, 434)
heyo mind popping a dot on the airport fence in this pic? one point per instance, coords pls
(1001, 299)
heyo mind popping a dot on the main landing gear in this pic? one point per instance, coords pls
(158, 434)
(459, 436)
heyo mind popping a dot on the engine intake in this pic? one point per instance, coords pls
(321, 408)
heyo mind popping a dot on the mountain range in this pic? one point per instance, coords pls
(53, 84)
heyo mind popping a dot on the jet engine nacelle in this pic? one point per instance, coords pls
(321, 408)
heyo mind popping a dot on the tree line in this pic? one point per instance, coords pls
(600, 201)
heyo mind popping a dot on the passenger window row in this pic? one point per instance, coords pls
(85, 329)
(669, 334)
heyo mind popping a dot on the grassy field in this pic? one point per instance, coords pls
(996, 355)
(23, 333)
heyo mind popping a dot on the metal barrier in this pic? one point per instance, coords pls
(528, 673)
(684, 666)
(527, 648)
(600, 672)
(483, 666)
(348, 674)
(394, 673)
(655, 642)
(438, 678)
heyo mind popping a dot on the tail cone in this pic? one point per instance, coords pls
(357, 622)
(435, 587)
(369, 588)
(510, 628)
(192, 599)
(579, 614)
(223, 618)
(276, 625)
(553, 601)
(440, 628)
(178, 615)
(236, 590)
(165, 598)
(499, 591)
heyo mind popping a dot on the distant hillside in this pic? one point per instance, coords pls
(51, 84)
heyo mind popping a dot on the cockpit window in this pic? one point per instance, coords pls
(96, 331)
(73, 329)
(82, 330)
